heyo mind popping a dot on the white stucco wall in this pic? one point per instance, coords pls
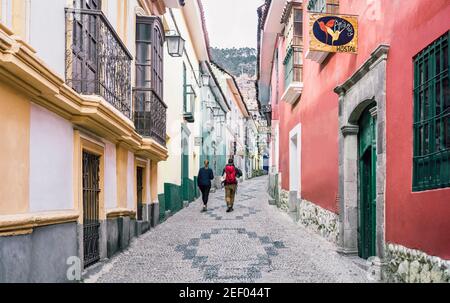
(6, 12)
(110, 175)
(111, 12)
(130, 181)
(47, 32)
(51, 161)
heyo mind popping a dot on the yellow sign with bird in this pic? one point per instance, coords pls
(333, 33)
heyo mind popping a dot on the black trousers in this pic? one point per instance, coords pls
(205, 193)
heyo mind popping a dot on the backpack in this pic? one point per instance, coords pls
(230, 175)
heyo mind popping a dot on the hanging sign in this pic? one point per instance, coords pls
(333, 33)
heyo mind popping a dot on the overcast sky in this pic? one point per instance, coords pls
(232, 23)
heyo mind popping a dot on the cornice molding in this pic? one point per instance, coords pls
(378, 55)
(25, 223)
(350, 130)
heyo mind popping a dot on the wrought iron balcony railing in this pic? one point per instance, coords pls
(97, 61)
(150, 115)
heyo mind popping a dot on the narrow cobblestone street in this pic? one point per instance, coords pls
(255, 243)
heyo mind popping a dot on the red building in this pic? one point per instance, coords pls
(360, 147)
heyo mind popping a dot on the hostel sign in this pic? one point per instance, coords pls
(333, 33)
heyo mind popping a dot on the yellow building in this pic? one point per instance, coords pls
(82, 130)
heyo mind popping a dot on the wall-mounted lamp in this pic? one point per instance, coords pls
(175, 44)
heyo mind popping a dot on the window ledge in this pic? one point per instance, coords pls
(316, 56)
(189, 117)
(293, 92)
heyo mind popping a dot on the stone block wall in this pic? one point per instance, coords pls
(318, 219)
(414, 266)
(283, 203)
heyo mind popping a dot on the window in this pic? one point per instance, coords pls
(88, 4)
(332, 6)
(432, 117)
(294, 27)
(184, 88)
(150, 109)
(188, 98)
(149, 55)
(6, 12)
(324, 6)
(293, 65)
(318, 6)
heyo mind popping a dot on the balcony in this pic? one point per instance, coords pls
(293, 76)
(97, 61)
(189, 104)
(317, 56)
(150, 115)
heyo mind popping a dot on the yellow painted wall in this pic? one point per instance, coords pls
(122, 19)
(122, 166)
(19, 15)
(14, 151)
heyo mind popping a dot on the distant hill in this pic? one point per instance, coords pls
(236, 60)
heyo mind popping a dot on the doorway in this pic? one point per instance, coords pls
(367, 154)
(139, 191)
(294, 159)
(91, 221)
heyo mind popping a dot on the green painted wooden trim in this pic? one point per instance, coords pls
(162, 207)
(367, 152)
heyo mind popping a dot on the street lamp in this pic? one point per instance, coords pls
(175, 44)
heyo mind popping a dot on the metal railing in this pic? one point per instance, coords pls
(150, 115)
(97, 61)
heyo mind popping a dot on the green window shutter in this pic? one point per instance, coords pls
(431, 167)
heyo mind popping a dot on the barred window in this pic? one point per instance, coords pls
(432, 117)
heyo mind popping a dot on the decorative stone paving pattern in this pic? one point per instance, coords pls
(256, 254)
(264, 246)
(239, 213)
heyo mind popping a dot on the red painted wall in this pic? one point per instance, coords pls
(416, 220)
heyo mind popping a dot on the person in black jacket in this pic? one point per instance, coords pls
(205, 175)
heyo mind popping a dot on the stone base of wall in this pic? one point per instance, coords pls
(414, 266)
(318, 219)
(39, 257)
(283, 202)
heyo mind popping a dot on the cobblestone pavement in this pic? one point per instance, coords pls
(255, 243)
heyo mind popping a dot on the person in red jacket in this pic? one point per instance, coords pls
(231, 174)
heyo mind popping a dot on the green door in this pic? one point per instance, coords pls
(367, 185)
